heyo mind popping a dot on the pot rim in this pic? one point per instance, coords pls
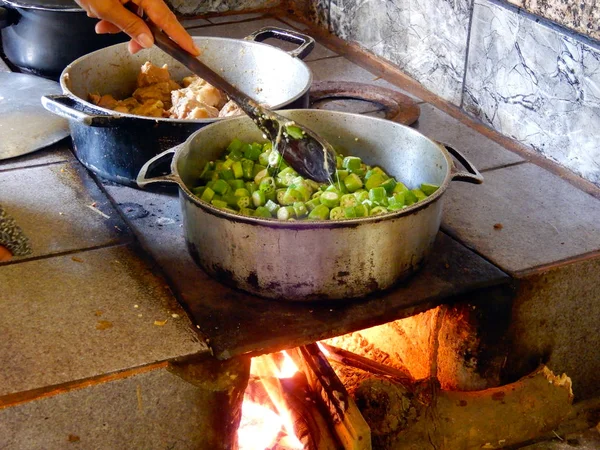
(312, 224)
(39, 5)
(65, 80)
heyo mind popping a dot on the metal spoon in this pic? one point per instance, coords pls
(309, 154)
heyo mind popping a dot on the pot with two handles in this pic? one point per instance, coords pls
(115, 145)
(315, 260)
(44, 36)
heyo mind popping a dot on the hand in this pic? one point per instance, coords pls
(5, 255)
(114, 18)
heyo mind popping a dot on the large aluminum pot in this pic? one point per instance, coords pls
(116, 145)
(309, 260)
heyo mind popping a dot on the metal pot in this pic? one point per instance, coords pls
(306, 260)
(116, 145)
(43, 36)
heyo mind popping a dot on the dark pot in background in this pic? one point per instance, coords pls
(44, 36)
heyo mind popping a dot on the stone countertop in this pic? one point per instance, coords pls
(82, 248)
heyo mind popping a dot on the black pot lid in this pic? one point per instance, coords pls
(48, 5)
(25, 126)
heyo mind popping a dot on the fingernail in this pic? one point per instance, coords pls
(145, 40)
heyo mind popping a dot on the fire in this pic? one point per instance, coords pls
(264, 423)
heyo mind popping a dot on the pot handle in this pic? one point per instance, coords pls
(306, 42)
(8, 16)
(69, 108)
(471, 176)
(167, 155)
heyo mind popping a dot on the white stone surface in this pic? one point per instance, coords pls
(425, 38)
(537, 85)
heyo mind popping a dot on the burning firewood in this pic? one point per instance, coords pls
(431, 418)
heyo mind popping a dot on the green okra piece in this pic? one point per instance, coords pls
(248, 169)
(361, 195)
(257, 169)
(258, 198)
(348, 200)
(226, 164)
(221, 187)
(389, 185)
(236, 155)
(378, 211)
(241, 192)
(226, 174)
(260, 175)
(312, 204)
(294, 132)
(352, 163)
(250, 186)
(286, 213)
(253, 151)
(207, 195)
(219, 204)
(410, 198)
(419, 194)
(261, 211)
(300, 209)
(237, 169)
(235, 144)
(272, 207)
(374, 181)
(399, 188)
(263, 158)
(236, 184)
(378, 195)
(330, 199)
(243, 201)
(353, 182)
(247, 211)
(398, 198)
(321, 212)
(337, 213)
(428, 188)
(361, 210)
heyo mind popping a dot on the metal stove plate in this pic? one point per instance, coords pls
(25, 126)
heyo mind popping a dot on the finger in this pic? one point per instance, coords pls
(105, 27)
(164, 18)
(5, 255)
(134, 47)
(115, 13)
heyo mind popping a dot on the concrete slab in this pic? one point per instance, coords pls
(555, 321)
(523, 217)
(61, 209)
(153, 410)
(481, 151)
(239, 30)
(58, 152)
(86, 314)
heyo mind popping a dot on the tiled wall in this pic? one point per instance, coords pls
(197, 7)
(525, 76)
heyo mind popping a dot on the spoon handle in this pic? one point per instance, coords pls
(170, 47)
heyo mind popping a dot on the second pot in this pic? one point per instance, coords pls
(43, 36)
(115, 145)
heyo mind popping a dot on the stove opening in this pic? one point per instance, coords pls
(432, 380)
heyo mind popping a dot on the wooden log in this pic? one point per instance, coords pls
(431, 418)
(349, 425)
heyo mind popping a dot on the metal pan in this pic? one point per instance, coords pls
(306, 260)
(116, 145)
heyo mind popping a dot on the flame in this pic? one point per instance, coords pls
(260, 426)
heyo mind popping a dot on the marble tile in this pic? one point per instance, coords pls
(426, 38)
(481, 151)
(58, 152)
(194, 7)
(582, 17)
(61, 209)
(242, 29)
(155, 410)
(319, 12)
(73, 317)
(536, 85)
(523, 217)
